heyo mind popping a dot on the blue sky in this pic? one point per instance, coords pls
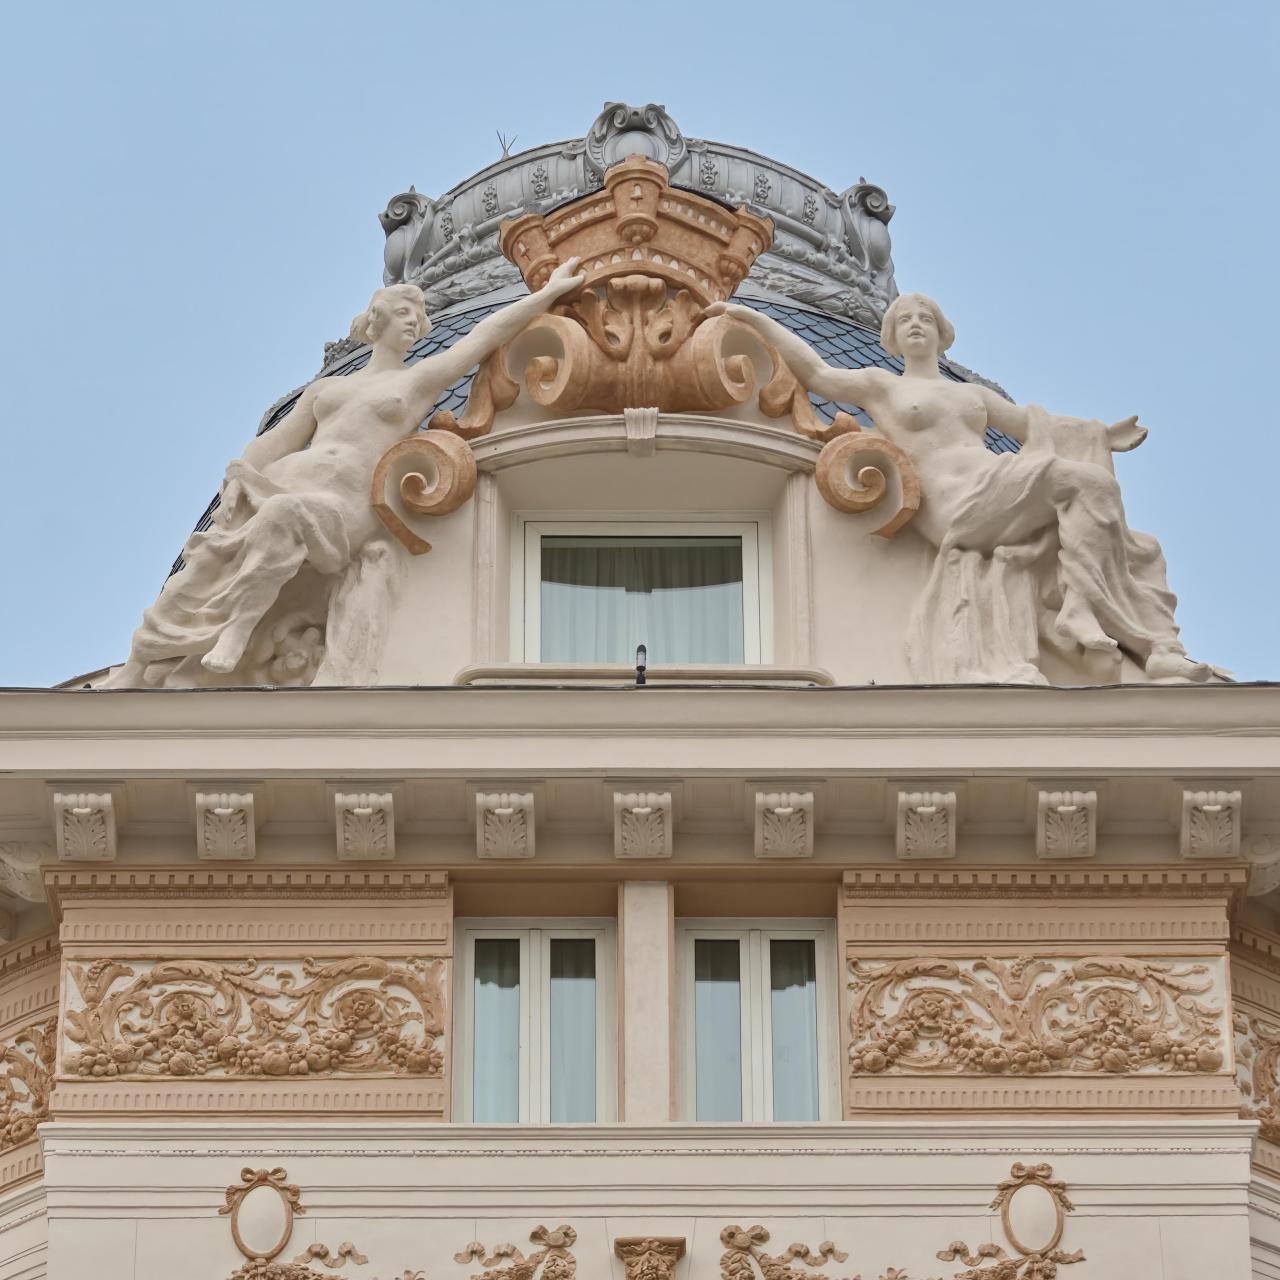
(191, 190)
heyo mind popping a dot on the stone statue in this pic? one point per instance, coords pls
(295, 535)
(1032, 547)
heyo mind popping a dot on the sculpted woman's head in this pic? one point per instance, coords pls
(396, 315)
(913, 323)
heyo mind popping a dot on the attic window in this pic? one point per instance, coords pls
(690, 593)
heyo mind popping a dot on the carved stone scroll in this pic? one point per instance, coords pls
(437, 474)
(863, 450)
(1257, 1043)
(1026, 1016)
(783, 395)
(492, 390)
(183, 1018)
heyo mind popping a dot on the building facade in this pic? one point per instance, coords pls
(653, 770)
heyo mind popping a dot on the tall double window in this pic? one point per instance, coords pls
(592, 591)
(535, 1022)
(757, 1015)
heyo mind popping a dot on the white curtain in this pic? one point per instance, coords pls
(603, 596)
(495, 1047)
(717, 1029)
(793, 1028)
(573, 1030)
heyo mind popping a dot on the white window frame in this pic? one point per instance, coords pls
(753, 937)
(535, 1011)
(752, 527)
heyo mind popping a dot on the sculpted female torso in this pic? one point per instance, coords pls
(1053, 520)
(299, 494)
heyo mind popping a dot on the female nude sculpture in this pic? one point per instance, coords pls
(298, 496)
(1032, 547)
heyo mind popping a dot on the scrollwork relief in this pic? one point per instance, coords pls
(183, 1018)
(744, 1257)
(26, 1076)
(1258, 1073)
(1026, 1016)
(553, 1261)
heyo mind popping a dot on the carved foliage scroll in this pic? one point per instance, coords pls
(26, 1076)
(1258, 1073)
(185, 1018)
(745, 1258)
(554, 1260)
(1098, 1014)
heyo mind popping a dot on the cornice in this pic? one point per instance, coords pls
(67, 885)
(1223, 881)
(1257, 946)
(26, 956)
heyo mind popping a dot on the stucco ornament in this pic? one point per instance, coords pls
(1033, 549)
(554, 1259)
(1028, 1016)
(26, 1076)
(181, 1018)
(297, 550)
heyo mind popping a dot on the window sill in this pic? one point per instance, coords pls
(611, 674)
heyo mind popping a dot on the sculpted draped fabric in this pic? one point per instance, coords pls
(984, 613)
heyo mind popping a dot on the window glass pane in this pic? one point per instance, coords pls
(603, 596)
(495, 1078)
(793, 1026)
(717, 1029)
(573, 1029)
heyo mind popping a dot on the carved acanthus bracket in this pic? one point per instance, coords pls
(1066, 824)
(504, 824)
(366, 826)
(1210, 824)
(642, 824)
(784, 824)
(225, 829)
(85, 823)
(926, 824)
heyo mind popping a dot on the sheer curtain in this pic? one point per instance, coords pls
(603, 596)
(793, 1028)
(717, 1029)
(573, 1030)
(495, 1056)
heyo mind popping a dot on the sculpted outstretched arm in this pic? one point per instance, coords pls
(1004, 416)
(432, 375)
(847, 386)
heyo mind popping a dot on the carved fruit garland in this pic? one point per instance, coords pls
(194, 1018)
(1029, 1016)
(554, 1261)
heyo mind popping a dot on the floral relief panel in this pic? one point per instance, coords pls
(356, 1016)
(26, 1076)
(1258, 1072)
(1025, 1016)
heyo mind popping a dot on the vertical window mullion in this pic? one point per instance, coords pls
(761, 1066)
